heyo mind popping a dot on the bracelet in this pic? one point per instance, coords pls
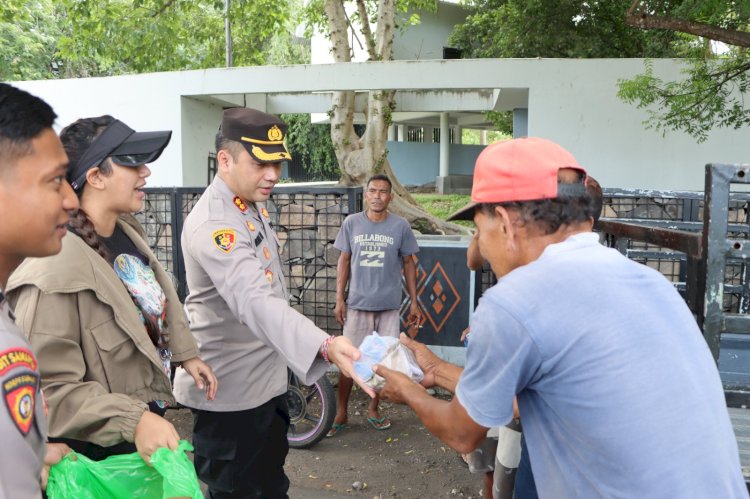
(324, 348)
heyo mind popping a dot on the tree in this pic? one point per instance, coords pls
(373, 25)
(121, 36)
(28, 35)
(713, 91)
(564, 28)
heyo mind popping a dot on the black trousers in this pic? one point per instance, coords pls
(240, 455)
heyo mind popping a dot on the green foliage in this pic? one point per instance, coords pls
(714, 88)
(472, 137)
(311, 144)
(118, 36)
(443, 205)
(28, 36)
(711, 95)
(564, 28)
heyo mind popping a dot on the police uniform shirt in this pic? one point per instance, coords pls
(238, 308)
(23, 426)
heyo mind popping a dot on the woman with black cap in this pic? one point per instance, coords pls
(103, 315)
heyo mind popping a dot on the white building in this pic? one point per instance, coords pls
(572, 102)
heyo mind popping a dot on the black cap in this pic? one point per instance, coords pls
(124, 145)
(261, 133)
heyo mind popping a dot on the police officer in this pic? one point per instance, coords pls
(240, 315)
(36, 200)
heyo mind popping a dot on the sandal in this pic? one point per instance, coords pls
(380, 424)
(337, 427)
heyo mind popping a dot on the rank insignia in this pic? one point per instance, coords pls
(264, 212)
(19, 394)
(239, 203)
(269, 276)
(266, 252)
(17, 357)
(224, 239)
(251, 226)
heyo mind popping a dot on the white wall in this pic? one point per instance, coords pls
(573, 102)
(200, 121)
(143, 102)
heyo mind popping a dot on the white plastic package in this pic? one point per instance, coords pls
(388, 352)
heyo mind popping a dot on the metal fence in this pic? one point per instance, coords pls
(306, 219)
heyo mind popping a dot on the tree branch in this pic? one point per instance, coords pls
(366, 31)
(385, 29)
(646, 21)
(338, 28)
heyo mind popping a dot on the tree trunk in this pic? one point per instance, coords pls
(361, 157)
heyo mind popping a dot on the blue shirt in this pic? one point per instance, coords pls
(618, 393)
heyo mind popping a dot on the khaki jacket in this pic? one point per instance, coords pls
(99, 368)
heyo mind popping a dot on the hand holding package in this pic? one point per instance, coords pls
(387, 352)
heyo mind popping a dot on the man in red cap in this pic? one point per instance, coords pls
(618, 393)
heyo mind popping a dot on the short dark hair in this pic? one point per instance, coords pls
(22, 118)
(380, 176)
(550, 214)
(231, 146)
(596, 194)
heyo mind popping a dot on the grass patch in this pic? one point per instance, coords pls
(443, 205)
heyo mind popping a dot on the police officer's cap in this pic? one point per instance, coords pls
(262, 134)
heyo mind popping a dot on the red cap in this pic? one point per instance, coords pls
(517, 170)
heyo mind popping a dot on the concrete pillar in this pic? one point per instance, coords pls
(401, 133)
(392, 133)
(483, 137)
(520, 123)
(429, 135)
(458, 138)
(444, 144)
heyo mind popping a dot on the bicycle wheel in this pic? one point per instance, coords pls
(311, 411)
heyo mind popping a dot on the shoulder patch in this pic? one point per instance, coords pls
(264, 212)
(224, 239)
(17, 357)
(19, 394)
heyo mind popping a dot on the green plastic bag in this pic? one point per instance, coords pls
(126, 476)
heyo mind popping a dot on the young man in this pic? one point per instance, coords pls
(375, 245)
(617, 389)
(36, 200)
(240, 315)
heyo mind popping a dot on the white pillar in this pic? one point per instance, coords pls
(458, 138)
(444, 144)
(392, 133)
(429, 135)
(483, 137)
(401, 133)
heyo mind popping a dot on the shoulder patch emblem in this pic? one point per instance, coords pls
(251, 226)
(19, 393)
(224, 239)
(239, 203)
(17, 357)
(266, 252)
(264, 212)
(269, 276)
